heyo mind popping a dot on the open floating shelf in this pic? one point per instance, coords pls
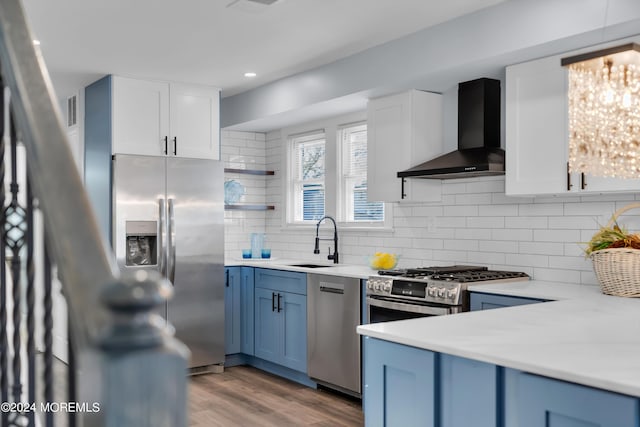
(249, 171)
(249, 207)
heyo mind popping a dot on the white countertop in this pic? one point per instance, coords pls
(585, 337)
(343, 270)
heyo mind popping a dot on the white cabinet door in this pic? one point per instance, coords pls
(140, 113)
(536, 128)
(195, 122)
(537, 134)
(403, 130)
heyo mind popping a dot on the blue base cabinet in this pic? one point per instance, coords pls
(482, 301)
(543, 402)
(247, 312)
(232, 310)
(472, 385)
(399, 385)
(407, 386)
(281, 317)
(238, 310)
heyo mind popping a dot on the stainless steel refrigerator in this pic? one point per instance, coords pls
(167, 215)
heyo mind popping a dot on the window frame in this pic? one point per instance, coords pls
(333, 170)
(344, 205)
(295, 179)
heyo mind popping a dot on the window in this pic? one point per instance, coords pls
(307, 176)
(327, 174)
(353, 179)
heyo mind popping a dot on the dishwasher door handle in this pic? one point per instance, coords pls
(331, 290)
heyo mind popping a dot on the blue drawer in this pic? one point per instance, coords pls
(279, 280)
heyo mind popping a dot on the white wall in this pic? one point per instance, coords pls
(475, 223)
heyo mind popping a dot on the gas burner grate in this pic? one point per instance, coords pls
(478, 276)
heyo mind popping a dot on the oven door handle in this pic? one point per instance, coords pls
(411, 308)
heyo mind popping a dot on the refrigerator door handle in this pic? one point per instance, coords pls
(171, 244)
(162, 250)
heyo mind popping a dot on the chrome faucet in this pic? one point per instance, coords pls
(316, 250)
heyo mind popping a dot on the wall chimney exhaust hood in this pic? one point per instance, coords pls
(479, 152)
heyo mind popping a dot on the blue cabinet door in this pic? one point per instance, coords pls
(267, 328)
(399, 385)
(544, 402)
(471, 385)
(293, 315)
(232, 310)
(481, 301)
(247, 310)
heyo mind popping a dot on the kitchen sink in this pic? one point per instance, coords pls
(311, 265)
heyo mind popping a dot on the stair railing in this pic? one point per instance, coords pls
(125, 368)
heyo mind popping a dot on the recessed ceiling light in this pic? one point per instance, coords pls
(36, 42)
(250, 74)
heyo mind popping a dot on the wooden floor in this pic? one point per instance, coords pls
(245, 396)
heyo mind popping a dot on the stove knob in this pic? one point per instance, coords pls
(441, 292)
(376, 286)
(387, 287)
(431, 292)
(451, 294)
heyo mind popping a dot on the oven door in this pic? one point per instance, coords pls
(384, 310)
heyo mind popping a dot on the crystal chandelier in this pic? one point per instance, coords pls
(604, 112)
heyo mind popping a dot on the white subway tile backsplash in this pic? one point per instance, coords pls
(557, 275)
(590, 208)
(462, 210)
(486, 185)
(540, 209)
(512, 234)
(474, 223)
(556, 235)
(486, 257)
(485, 221)
(529, 222)
(462, 245)
(473, 233)
(570, 263)
(575, 222)
(527, 260)
(473, 199)
(498, 246)
(541, 248)
(454, 188)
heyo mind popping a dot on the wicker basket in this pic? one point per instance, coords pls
(618, 269)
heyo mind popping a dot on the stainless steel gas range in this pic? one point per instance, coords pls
(431, 291)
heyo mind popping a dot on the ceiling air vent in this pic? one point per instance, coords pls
(72, 111)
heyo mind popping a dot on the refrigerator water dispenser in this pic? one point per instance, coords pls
(141, 243)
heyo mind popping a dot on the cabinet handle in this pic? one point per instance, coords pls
(403, 195)
(226, 279)
(175, 145)
(569, 184)
(273, 301)
(166, 145)
(279, 303)
(583, 181)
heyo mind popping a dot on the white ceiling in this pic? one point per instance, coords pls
(215, 42)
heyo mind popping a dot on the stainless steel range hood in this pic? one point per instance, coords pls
(479, 152)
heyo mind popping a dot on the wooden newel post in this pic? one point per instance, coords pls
(143, 368)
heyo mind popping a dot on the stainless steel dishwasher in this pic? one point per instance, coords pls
(333, 346)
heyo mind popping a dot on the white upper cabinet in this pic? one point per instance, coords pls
(195, 121)
(140, 116)
(159, 118)
(536, 128)
(403, 130)
(537, 134)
